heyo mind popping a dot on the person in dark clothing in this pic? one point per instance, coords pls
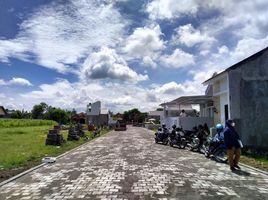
(231, 140)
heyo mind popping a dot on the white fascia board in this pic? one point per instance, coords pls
(217, 78)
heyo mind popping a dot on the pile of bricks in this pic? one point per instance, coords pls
(54, 137)
(73, 134)
(79, 130)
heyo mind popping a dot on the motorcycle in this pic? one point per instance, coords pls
(200, 139)
(217, 149)
(191, 139)
(176, 137)
(162, 136)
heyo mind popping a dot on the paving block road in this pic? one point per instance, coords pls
(129, 165)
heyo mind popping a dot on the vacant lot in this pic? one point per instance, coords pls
(24, 147)
(5, 123)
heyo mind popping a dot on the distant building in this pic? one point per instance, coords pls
(79, 118)
(241, 93)
(155, 115)
(97, 115)
(3, 112)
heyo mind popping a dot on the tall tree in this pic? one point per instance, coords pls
(57, 114)
(134, 115)
(39, 110)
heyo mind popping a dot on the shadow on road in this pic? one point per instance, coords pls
(241, 173)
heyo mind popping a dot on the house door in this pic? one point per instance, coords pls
(226, 112)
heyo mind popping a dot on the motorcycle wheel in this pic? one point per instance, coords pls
(207, 154)
(203, 149)
(194, 144)
(165, 141)
(183, 144)
(220, 155)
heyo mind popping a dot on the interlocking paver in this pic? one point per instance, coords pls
(129, 165)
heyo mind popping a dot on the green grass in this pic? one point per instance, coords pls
(20, 146)
(5, 123)
(260, 162)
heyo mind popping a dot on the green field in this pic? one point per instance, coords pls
(20, 146)
(5, 123)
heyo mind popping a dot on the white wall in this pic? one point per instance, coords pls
(95, 108)
(187, 123)
(221, 90)
(223, 101)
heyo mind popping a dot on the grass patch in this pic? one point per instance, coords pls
(24, 146)
(6, 123)
(260, 162)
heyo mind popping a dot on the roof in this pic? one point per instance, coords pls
(199, 99)
(155, 113)
(4, 110)
(254, 56)
(79, 116)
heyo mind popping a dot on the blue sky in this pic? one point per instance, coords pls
(125, 53)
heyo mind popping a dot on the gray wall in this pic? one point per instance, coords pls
(249, 100)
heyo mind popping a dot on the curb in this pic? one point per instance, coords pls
(43, 164)
(21, 174)
(255, 169)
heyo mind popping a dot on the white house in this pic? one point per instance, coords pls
(191, 105)
(157, 115)
(220, 96)
(97, 115)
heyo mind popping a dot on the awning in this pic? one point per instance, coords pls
(186, 100)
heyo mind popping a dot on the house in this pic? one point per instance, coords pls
(156, 115)
(97, 115)
(79, 118)
(3, 112)
(203, 103)
(241, 93)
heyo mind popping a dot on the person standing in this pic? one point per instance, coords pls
(183, 114)
(233, 144)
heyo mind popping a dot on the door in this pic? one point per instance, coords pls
(226, 112)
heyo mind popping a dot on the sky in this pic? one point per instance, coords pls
(125, 53)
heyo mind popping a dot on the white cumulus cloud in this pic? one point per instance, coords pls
(168, 9)
(178, 59)
(108, 64)
(145, 43)
(16, 81)
(58, 35)
(190, 36)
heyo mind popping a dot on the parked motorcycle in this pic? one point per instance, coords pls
(162, 135)
(196, 137)
(176, 137)
(192, 141)
(217, 149)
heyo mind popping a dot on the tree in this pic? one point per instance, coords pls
(16, 115)
(134, 115)
(57, 114)
(20, 114)
(39, 110)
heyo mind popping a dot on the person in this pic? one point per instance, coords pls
(217, 139)
(183, 114)
(219, 135)
(233, 144)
